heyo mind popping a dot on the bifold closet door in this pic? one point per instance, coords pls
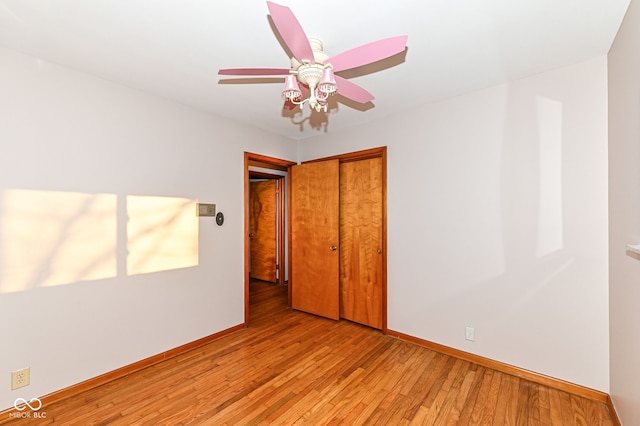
(314, 226)
(361, 260)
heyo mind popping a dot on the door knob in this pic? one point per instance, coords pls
(250, 234)
(379, 251)
(333, 248)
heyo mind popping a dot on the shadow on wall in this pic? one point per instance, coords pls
(51, 238)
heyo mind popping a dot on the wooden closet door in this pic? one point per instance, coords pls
(361, 260)
(314, 221)
(263, 229)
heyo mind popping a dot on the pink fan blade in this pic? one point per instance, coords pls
(367, 53)
(291, 32)
(352, 91)
(253, 71)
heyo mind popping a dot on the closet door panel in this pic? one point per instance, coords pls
(314, 217)
(361, 260)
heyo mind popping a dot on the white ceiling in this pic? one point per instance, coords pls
(174, 48)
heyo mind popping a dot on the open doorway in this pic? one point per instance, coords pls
(266, 239)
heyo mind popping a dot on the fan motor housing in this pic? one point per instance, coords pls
(310, 74)
(319, 55)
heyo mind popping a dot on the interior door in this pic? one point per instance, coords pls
(361, 260)
(263, 230)
(314, 223)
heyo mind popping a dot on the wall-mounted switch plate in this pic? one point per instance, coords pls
(203, 209)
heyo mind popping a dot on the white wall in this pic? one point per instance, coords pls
(82, 161)
(624, 215)
(497, 219)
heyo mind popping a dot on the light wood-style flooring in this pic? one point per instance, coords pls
(292, 368)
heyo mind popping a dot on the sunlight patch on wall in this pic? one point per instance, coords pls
(162, 234)
(53, 238)
(550, 226)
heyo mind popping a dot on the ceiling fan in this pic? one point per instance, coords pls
(311, 78)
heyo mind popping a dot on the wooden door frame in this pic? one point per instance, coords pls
(366, 154)
(262, 161)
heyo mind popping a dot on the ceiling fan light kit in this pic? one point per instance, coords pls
(318, 78)
(311, 78)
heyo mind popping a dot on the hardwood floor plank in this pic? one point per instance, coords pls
(523, 407)
(533, 418)
(291, 368)
(507, 404)
(578, 411)
(477, 391)
(560, 407)
(426, 388)
(479, 407)
(461, 398)
(440, 405)
(456, 395)
(544, 407)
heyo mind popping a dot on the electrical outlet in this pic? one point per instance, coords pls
(470, 334)
(20, 378)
